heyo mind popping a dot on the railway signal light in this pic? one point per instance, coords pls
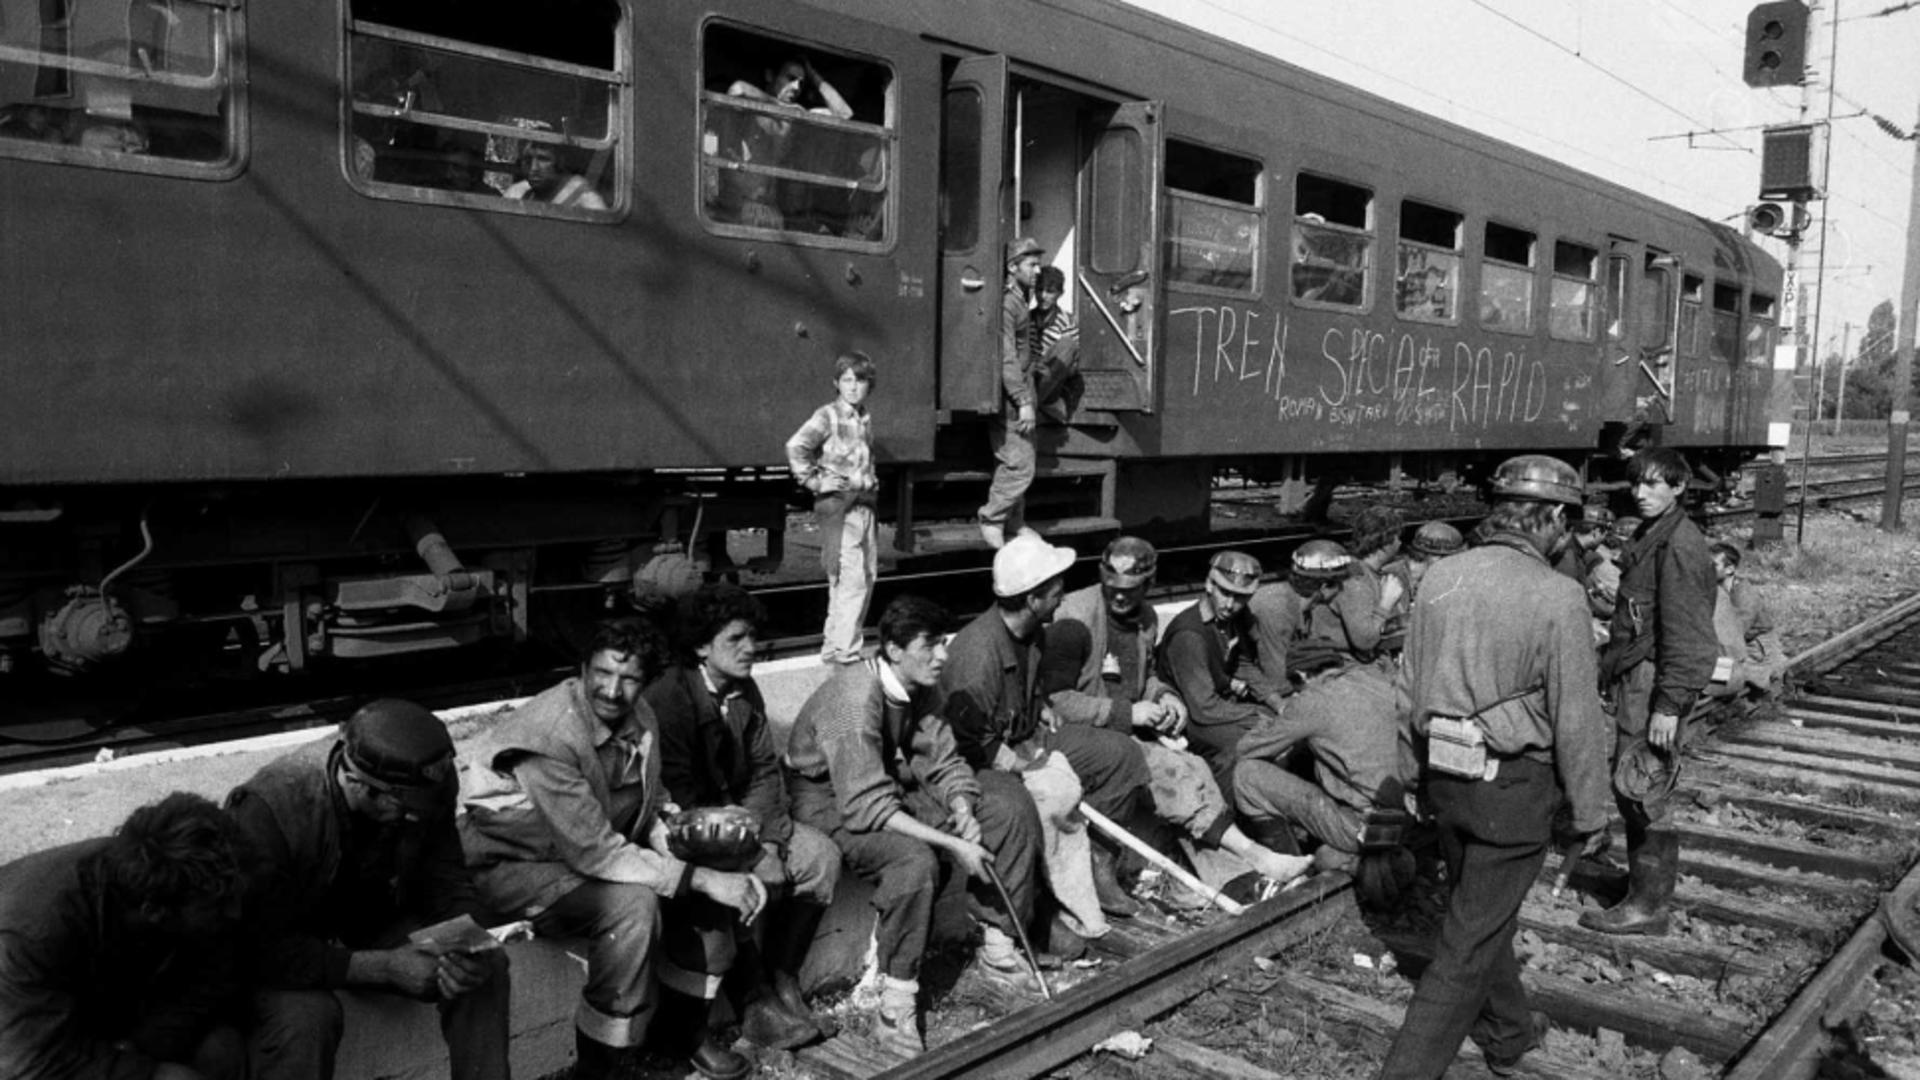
(1776, 44)
(1773, 219)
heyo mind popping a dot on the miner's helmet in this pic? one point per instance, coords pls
(1644, 774)
(1540, 477)
(1235, 572)
(1321, 560)
(1437, 540)
(1127, 563)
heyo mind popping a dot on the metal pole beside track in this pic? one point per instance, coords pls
(1903, 367)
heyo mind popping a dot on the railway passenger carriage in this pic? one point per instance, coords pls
(297, 292)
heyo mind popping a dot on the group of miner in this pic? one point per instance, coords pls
(1058, 752)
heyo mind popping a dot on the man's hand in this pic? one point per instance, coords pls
(963, 823)
(1023, 421)
(1577, 847)
(1149, 715)
(1239, 689)
(460, 973)
(741, 892)
(411, 970)
(1661, 731)
(1176, 714)
(829, 483)
(972, 856)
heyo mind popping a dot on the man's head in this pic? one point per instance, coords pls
(1659, 478)
(1029, 577)
(913, 640)
(787, 84)
(1726, 562)
(1232, 577)
(1432, 541)
(717, 626)
(1049, 286)
(1533, 494)
(540, 164)
(1126, 572)
(1623, 530)
(623, 657)
(396, 762)
(1593, 528)
(853, 376)
(461, 169)
(1376, 533)
(1023, 261)
(1319, 568)
(178, 866)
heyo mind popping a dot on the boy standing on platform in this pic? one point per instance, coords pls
(832, 456)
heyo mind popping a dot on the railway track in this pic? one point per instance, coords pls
(1798, 865)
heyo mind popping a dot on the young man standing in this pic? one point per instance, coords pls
(872, 764)
(1012, 431)
(566, 825)
(832, 456)
(717, 751)
(1659, 657)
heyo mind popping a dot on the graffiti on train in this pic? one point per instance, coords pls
(1355, 376)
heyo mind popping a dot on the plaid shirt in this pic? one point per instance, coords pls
(837, 440)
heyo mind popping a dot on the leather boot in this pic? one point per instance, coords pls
(595, 1060)
(788, 942)
(1106, 885)
(684, 1022)
(1652, 866)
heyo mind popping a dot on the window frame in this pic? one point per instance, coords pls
(1458, 251)
(888, 130)
(620, 125)
(1257, 209)
(1762, 314)
(1596, 286)
(1715, 290)
(1693, 296)
(1532, 270)
(230, 50)
(1370, 233)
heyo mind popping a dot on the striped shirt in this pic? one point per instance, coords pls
(1049, 329)
(837, 440)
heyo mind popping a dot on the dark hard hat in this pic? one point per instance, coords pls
(1022, 247)
(716, 837)
(1127, 563)
(1437, 539)
(1624, 528)
(1538, 476)
(1322, 560)
(402, 749)
(1597, 516)
(1644, 774)
(1235, 572)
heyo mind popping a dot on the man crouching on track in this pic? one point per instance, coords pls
(716, 751)
(872, 764)
(566, 825)
(118, 955)
(357, 839)
(1499, 668)
(1099, 671)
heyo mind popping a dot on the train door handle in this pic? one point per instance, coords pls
(971, 281)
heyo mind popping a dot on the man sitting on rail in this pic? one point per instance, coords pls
(566, 825)
(1744, 628)
(716, 750)
(1209, 657)
(1000, 716)
(358, 848)
(1283, 615)
(118, 954)
(1098, 671)
(873, 765)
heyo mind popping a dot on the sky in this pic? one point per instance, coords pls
(1613, 87)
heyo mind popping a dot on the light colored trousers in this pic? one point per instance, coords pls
(850, 586)
(1066, 852)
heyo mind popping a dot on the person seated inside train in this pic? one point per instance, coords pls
(463, 170)
(33, 122)
(545, 180)
(1753, 652)
(1329, 267)
(754, 198)
(1097, 669)
(112, 136)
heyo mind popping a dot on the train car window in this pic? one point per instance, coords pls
(1616, 298)
(1506, 279)
(142, 87)
(1693, 292)
(1214, 218)
(1575, 288)
(1760, 330)
(475, 105)
(1725, 345)
(1426, 283)
(795, 140)
(1332, 242)
(1119, 201)
(960, 170)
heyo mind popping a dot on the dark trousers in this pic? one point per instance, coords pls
(1112, 771)
(1219, 746)
(1493, 834)
(296, 1033)
(907, 874)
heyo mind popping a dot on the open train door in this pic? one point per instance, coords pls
(1119, 291)
(973, 232)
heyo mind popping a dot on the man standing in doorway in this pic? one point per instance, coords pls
(1012, 432)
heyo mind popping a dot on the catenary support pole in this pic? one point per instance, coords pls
(1903, 366)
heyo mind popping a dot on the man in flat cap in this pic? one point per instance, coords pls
(357, 847)
(1012, 431)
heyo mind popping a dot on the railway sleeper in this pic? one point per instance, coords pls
(1706, 902)
(1843, 706)
(1875, 823)
(1811, 772)
(1895, 752)
(1674, 954)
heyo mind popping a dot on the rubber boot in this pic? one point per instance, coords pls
(787, 944)
(1114, 899)
(684, 1021)
(1652, 866)
(595, 1060)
